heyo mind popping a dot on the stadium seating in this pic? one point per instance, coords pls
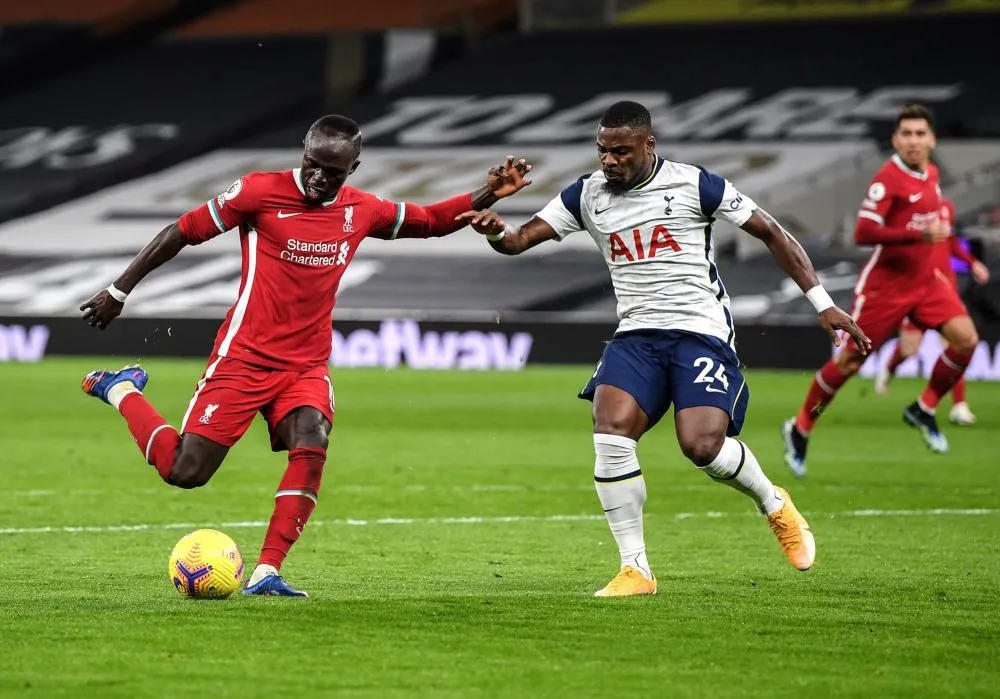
(803, 140)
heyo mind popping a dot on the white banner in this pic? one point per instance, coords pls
(122, 219)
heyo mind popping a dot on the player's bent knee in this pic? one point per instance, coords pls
(315, 437)
(311, 429)
(702, 449)
(849, 362)
(189, 471)
(189, 476)
(620, 426)
(967, 342)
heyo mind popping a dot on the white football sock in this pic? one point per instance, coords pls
(622, 491)
(117, 392)
(736, 466)
(261, 572)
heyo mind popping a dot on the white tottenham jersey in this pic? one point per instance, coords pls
(657, 241)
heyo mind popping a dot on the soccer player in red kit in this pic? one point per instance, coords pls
(910, 335)
(901, 217)
(299, 230)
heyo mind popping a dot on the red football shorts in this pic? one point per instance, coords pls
(908, 325)
(231, 392)
(881, 312)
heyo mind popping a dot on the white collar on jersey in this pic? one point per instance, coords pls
(907, 169)
(297, 176)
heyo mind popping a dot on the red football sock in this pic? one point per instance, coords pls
(825, 385)
(947, 371)
(958, 390)
(294, 502)
(895, 360)
(156, 439)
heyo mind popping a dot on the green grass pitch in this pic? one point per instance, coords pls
(439, 565)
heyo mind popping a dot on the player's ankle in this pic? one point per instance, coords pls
(803, 426)
(117, 393)
(772, 504)
(639, 562)
(260, 572)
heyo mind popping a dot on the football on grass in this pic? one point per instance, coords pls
(206, 564)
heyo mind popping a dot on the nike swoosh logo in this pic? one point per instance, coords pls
(916, 197)
(598, 212)
(713, 390)
(284, 215)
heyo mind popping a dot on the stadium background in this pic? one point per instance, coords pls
(118, 115)
(168, 102)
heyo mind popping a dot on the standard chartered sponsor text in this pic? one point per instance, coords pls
(337, 252)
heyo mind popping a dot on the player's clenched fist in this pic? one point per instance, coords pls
(935, 232)
(834, 319)
(101, 309)
(980, 272)
(508, 177)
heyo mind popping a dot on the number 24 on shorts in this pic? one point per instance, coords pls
(707, 377)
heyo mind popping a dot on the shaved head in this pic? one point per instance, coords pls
(334, 127)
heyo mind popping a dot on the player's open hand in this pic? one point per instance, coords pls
(483, 222)
(101, 309)
(980, 272)
(834, 319)
(509, 177)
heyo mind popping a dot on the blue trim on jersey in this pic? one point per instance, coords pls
(713, 271)
(713, 276)
(571, 196)
(711, 189)
(732, 327)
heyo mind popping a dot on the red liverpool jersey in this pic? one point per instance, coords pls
(946, 249)
(294, 256)
(899, 205)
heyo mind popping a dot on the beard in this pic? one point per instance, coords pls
(615, 188)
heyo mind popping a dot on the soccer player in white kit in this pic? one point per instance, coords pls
(652, 221)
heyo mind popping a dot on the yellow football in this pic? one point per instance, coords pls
(206, 564)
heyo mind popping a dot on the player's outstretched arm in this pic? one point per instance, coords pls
(107, 304)
(443, 217)
(794, 261)
(507, 239)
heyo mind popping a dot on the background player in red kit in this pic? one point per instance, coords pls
(900, 216)
(299, 229)
(911, 335)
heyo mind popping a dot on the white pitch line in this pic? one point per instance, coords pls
(936, 512)
(420, 488)
(111, 529)
(331, 522)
